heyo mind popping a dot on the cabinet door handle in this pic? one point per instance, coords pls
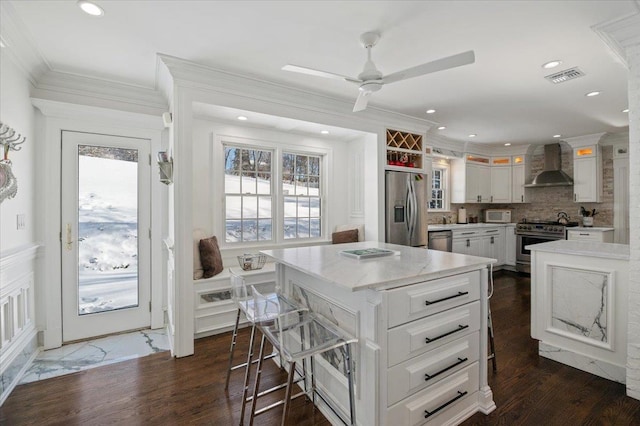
(428, 413)
(492, 240)
(460, 293)
(492, 198)
(460, 328)
(428, 377)
(468, 243)
(522, 198)
(575, 197)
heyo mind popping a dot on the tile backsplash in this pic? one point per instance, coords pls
(545, 203)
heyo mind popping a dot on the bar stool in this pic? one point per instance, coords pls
(262, 313)
(300, 336)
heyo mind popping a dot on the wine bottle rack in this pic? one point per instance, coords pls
(404, 151)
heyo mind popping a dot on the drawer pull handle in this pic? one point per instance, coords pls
(460, 327)
(428, 377)
(428, 413)
(460, 293)
(468, 233)
(586, 235)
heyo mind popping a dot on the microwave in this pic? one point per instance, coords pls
(497, 216)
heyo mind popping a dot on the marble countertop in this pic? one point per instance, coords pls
(453, 226)
(408, 266)
(584, 248)
(591, 228)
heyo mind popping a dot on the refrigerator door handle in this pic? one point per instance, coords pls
(408, 208)
(411, 208)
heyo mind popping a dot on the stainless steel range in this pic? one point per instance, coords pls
(534, 232)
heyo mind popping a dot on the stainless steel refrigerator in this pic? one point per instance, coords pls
(406, 208)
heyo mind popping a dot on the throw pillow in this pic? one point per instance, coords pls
(350, 236)
(198, 234)
(210, 257)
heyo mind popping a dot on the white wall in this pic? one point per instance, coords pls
(16, 111)
(207, 166)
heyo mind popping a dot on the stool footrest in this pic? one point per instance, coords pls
(277, 404)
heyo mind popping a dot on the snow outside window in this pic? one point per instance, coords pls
(439, 189)
(248, 194)
(301, 194)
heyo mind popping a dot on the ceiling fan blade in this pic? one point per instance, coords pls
(362, 101)
(430, 67)
(318, 73)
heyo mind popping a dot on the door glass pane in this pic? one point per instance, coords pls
(107, 229)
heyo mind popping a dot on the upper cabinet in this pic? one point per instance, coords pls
(501, 180)
(471, 180)
(587, 174)
(406, 152)
(498, 180)
(520, 171)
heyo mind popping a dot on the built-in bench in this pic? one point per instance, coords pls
(215, 311)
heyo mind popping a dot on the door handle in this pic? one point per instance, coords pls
(69, 242)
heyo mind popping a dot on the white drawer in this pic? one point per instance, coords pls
(440, 403)
(584, 236)
(419, 300)
(428, 369)
(418, 337)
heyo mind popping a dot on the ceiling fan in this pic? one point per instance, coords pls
(371, 80)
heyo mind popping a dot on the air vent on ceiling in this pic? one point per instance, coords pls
(566, 75)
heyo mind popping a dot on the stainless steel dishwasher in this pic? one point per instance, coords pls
(440, 240)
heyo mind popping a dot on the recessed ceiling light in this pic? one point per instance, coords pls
(90, 8)
(472, 135)
(324, 132)
(442, 127)
(242, 118)
(551, 64)
(557, 136)
(507, 144)
(594, 93)
(625, 110)
(431, 111)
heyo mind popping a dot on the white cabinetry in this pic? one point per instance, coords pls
(603, 235)
(501, 180)
(510, 245)
(587, 169)
(483, 242)
(471, 180)
(520, 171)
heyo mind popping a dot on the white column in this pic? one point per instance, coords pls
(623, 36)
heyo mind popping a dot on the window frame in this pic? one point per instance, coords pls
(277, 202)
(445, 183)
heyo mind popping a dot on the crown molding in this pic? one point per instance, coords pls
(621, 138)
(75, 111)
(71, 88)
(19, 44)
(190, 75)
(620, 34)
(585, 140)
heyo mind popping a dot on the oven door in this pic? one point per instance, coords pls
(523, 256)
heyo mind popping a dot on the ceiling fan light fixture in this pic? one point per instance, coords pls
(90, 8)
(551, 64)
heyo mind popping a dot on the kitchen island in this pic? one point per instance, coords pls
(420, 317)
(579, 293)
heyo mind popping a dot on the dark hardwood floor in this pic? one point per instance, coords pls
(159, 390)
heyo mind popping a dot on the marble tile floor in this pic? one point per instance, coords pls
(95, 353)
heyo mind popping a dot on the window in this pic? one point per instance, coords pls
(439, 189)
(252, 193)
(301, 191)
(248, 194)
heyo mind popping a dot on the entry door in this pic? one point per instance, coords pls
(105, 235)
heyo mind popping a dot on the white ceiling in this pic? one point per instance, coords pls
(503, 97)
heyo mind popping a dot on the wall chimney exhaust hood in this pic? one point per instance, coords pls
(552, 175)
